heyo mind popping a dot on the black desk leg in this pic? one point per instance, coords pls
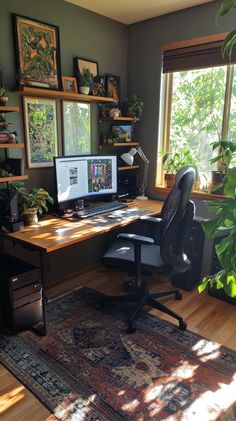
(42, 328)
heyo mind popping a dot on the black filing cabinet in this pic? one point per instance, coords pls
(21, 294)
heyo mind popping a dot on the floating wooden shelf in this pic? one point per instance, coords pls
(121, 144)
(131, 167)
(6, 109)
(62, 95)
(132, 119)
(11, 145)
(13, 178)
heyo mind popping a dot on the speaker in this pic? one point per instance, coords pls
(128, 185)
(188, 280)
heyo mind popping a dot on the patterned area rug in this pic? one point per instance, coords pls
(88, 368)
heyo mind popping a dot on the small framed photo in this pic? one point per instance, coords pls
(69, 84)
(40, 124)
(113, 87)
(99, 86)
(123, 133)
(81, 63)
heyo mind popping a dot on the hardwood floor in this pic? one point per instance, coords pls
(212, 318)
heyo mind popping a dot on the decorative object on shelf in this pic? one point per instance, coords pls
(113, 88)
(226, 152)
(31, 203)
(3, 97)
(37, 53)
(129, 159)
(114, 112)
(69, 84)
(124, 133)
(223, 224)
(85, 81)
(133, 107)
(11, 167)
(99, 86)
(76, 128)
(40, 122)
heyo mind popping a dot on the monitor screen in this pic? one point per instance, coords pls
(85, 176)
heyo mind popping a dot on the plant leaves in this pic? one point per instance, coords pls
(226, 7)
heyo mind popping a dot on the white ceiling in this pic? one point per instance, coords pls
(131, 11)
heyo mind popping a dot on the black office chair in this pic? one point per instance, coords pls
(165, 252)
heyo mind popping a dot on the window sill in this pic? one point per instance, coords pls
(195, 193)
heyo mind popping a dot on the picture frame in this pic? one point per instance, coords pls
(69, 84)
(99, 86)
(41, 139)
(81, 63)
(37, 52)
(113, 87)
(123, 133)
(76, 128)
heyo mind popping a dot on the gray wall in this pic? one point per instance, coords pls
(83, 34)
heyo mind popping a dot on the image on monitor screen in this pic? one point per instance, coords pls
(99, 175)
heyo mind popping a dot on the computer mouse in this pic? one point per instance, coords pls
(113, 216)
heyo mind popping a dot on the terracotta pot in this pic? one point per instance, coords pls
(31, 217)
(170, 179)
(84, 90)
(217, 180)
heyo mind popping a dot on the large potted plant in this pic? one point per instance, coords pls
(226, 152)
(223, 225)
(31, 203)
(85, 81)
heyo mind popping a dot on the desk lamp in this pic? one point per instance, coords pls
(129, 159)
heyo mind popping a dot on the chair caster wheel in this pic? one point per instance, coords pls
(129, 286)
(178, 295)
(182, 325)
(131, 328)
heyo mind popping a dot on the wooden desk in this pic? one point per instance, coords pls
(53, 233)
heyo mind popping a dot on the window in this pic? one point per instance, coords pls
(76, 128)
(199, 105)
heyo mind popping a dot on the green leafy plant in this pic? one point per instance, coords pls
(133, 107)
(223, 224)
(226, 151)
(2, 91)
(174, 160)
(226, 7)
(34, 199)
(85, 78)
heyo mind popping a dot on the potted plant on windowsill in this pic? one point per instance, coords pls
(85, 81)
(226, 152)
(174, 160)
(223, 225)
(31, 203)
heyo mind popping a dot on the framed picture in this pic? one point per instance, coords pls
(37, 53)
(99, 86)
(81, 63)
(40, 123)
(113, 87)
(76, 128)
(123, 133)
(69, 84)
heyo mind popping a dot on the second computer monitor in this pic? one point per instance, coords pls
(84, 176)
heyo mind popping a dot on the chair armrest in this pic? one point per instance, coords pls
(151, 219)
(136, 239)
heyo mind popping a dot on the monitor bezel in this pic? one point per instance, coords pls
(100, 195)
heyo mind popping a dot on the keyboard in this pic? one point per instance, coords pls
(97, 210)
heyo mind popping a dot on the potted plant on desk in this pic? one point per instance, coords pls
(31, 203)
(226, 152)
(223, 227)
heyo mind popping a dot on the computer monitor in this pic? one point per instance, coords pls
(85, 176)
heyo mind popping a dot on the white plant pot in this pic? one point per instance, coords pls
(84, 90)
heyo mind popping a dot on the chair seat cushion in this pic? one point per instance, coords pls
(121, 253)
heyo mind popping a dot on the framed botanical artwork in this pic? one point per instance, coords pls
(76, 128)
(69, 84)
(37, 53)
(40, 123)
(81, 63)
(113, 87)
(99, 86)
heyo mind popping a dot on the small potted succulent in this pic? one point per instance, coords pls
(85, 81)
(31, 203)
(226, 152)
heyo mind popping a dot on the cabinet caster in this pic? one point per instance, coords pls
(182, 325)
(178, 295)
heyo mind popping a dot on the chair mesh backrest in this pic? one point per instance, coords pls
(177, 215)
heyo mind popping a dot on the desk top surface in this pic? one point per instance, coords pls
(53, 233)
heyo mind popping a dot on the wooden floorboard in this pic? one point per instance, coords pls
(205, 315)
